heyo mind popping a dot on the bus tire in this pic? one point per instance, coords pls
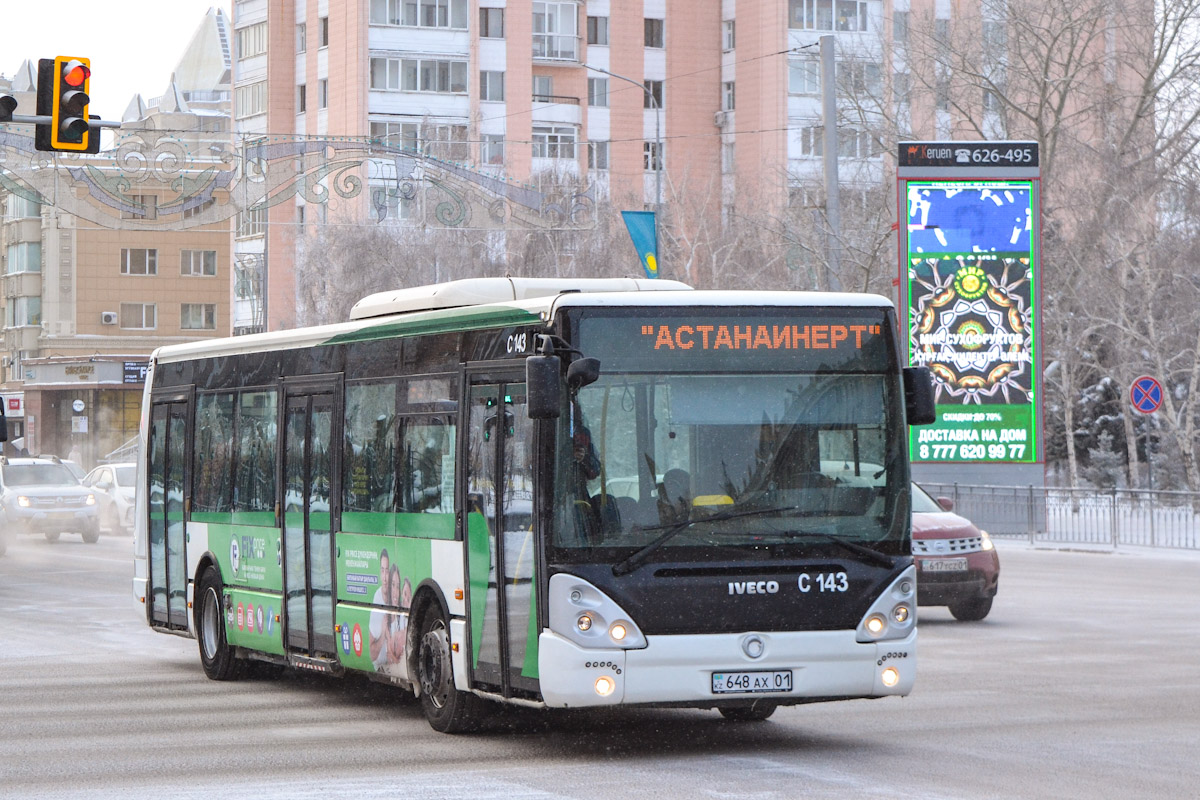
(446, 708)
(755, 713)
(971, 610)
(216, 656)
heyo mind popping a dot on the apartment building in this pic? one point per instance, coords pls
(87, 298)
(721, 93)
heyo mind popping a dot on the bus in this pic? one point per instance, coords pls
(548, 493)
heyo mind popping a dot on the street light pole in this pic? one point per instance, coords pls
(658, 153)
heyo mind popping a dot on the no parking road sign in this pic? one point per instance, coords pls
(1146, 394)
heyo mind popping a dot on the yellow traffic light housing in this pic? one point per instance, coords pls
(63, 96)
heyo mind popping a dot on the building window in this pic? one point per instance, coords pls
(727, 35)
(812, 141)
(543, 89)
(252, 222)
(727, 99)
(655, 89)
(251, 100)
(597, 30)
(145, 206)
(420, 13)
(555, 30)
(24, 257)
(491, 86)
(991, 102)
(198, 263)
(855, 143)
(323, 32)
(301, 100)
(942, 93)
(828, 15)
(301, 37)
(598, 92)
(727, 156)
(419, 75)
(251, 40)
(390, 204)
(900, 28)
(447, 142)
(491, 23)
(553, 141)
(198, 209)
(862, 77)
(804, 76)
(24, 311)
(652, 156)
(323, 93)
(139, 261)
(900, 88)
(653, 32)
(198, 316)
(22, 208)
(491, 149)
(598, 156)
(141, 316)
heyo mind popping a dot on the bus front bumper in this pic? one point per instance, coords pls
(679, 670)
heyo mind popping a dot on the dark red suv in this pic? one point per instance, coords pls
(957, 565)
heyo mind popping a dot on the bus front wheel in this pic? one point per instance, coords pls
(447, 709)
(216, 656)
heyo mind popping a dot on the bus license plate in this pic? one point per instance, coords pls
(752, 682)
(943, 565)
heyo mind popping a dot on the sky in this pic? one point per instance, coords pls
(133, 44)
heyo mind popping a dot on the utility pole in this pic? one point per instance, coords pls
(833, 210)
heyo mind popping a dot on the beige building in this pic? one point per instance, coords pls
(86, 300)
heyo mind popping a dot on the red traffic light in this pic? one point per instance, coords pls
(75, 73)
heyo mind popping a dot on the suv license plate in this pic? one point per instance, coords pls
(752, 682)
(943, 565)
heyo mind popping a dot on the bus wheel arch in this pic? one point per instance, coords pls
(447, 708)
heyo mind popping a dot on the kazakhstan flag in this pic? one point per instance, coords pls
(644, 234)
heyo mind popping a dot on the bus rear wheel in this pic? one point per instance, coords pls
(755, 713)
(216, 656)
(447, 709)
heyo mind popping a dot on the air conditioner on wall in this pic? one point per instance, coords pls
(108, 318)
(720, 118)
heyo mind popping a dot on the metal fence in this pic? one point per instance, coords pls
(1111, 517)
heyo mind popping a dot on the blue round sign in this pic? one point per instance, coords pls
(1146, 394)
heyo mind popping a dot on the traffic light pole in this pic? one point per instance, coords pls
(45, 119)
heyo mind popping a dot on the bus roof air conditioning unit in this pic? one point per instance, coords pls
(108, 318)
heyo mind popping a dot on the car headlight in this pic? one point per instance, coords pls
(91, 500)
(987, 541)
(23, 501)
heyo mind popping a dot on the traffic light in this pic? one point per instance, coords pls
(8, 104)
(63, 96)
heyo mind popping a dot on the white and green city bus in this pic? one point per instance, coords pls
(549, 493)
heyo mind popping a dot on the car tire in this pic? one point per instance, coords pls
(755, 713)
(3, 544)
(446, 708)
(112, 521)
(971, 610)
(216, 656)
(52, 536)
(91, 535)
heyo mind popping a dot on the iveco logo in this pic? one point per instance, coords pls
(754, 646)
(753, 587)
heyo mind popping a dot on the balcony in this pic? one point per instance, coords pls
(555, 47)
(556, 108)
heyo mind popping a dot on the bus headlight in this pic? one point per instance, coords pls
(894, 612)
(890, 677)
(588, 617)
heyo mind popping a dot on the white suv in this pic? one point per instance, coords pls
(40, 495)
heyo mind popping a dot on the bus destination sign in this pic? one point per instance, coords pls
(968, 154)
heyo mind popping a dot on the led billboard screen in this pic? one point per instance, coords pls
(972, 292)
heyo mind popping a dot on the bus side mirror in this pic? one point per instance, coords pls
(3, 423)
(918, 396)
(583, 372)
(543, 386)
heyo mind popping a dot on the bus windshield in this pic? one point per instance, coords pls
(756, 458)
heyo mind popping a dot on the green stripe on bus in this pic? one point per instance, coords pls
(257, 552)
(440, 322)
(254, 625)
(415, 525)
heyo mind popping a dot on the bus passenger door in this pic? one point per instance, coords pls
(169, 480)
(309, 493)
(501, 551)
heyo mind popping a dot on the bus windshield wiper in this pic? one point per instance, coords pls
(874, 556)
(638, 558)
